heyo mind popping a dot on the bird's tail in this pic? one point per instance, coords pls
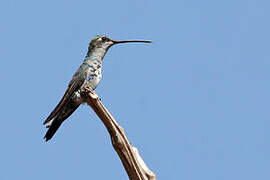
(53, 127)
(55, 123)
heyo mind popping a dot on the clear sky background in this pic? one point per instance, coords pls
(195, 102)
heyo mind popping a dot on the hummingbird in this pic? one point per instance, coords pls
(89, 71)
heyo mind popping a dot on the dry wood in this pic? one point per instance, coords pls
(129, 155)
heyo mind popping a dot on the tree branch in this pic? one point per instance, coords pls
(129, 155)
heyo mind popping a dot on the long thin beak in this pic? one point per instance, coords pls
(131, 41)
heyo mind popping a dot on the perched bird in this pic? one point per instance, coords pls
(90, 71)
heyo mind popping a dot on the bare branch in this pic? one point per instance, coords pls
(129, 155)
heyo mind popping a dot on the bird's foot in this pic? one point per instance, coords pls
(90, 92)
(89, 89)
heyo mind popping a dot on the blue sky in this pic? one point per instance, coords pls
(195, 101)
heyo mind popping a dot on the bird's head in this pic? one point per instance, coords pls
(105, 43)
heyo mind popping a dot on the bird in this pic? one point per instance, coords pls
(90, 71)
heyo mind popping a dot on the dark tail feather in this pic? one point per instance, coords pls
(52, 129)
(58, 120)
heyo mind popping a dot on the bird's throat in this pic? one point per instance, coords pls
(96, 54)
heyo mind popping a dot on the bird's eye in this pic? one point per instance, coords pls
(104, 39)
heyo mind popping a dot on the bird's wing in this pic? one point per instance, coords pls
(75, 83)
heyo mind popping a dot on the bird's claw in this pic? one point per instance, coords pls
(89, 89)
